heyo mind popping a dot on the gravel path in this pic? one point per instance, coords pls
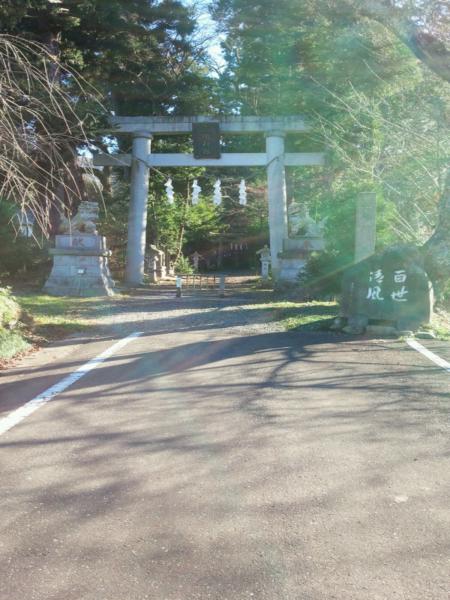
(158, 310)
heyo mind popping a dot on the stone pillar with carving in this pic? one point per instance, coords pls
(196, 260)
(265, 258)
(80, 257)
(155, 264)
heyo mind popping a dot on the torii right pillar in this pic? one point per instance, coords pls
(276, 190)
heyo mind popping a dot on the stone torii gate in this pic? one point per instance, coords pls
(142, 160)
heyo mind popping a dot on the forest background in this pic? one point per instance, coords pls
(379, 112)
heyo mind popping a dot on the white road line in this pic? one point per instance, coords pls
(430, 355)
(27, 409)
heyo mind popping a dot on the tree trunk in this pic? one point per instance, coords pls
(437, 248)
(181, 229)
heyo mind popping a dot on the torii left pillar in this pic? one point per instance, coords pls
(276, 191)
(137, 216)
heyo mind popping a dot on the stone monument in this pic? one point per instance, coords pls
(305, 236)
(389, 290)
(264, 257)
(80, 257)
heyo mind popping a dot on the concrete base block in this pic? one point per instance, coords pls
(80, 275)
(290, 269)
(292, 261)
(304, 244)
(80, 288)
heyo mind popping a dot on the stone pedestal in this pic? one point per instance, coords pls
(196, 260)
(265, 267)
(80, 266)
(294, 257)
(265, 258)
(151, 263)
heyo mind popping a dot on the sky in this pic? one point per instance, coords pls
(207, 29)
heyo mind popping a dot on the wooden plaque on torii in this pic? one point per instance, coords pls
(206, 140)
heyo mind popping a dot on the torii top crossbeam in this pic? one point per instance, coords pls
(234, 125)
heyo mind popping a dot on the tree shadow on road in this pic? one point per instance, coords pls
(205, 463)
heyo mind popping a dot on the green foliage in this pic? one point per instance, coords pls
(183, 266)
(11, 344)
(139, 57)
(144, 59)
(165, 221)
(11, 339)
(380, 115)
(445, 297)
(185, 228)
(204, 224)
(324, 269)
(17, 254)
(138, 53)
(324, 272)
(9, 309)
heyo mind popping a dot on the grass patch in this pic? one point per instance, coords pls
(441, 324)
(56, 317)
(12, 341)
(11, 344)
(300, 316)
(9, 309)
(44, 318)
(307, 316)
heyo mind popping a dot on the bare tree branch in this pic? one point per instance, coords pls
(39, 129)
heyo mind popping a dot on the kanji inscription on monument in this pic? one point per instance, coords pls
(389, 287)
(206, 139)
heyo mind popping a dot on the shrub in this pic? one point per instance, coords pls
(11, 342)
(17, 253)
(323, 273)
(183, 266)
(9, 309)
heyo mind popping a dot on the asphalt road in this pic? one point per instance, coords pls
(222, 464)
